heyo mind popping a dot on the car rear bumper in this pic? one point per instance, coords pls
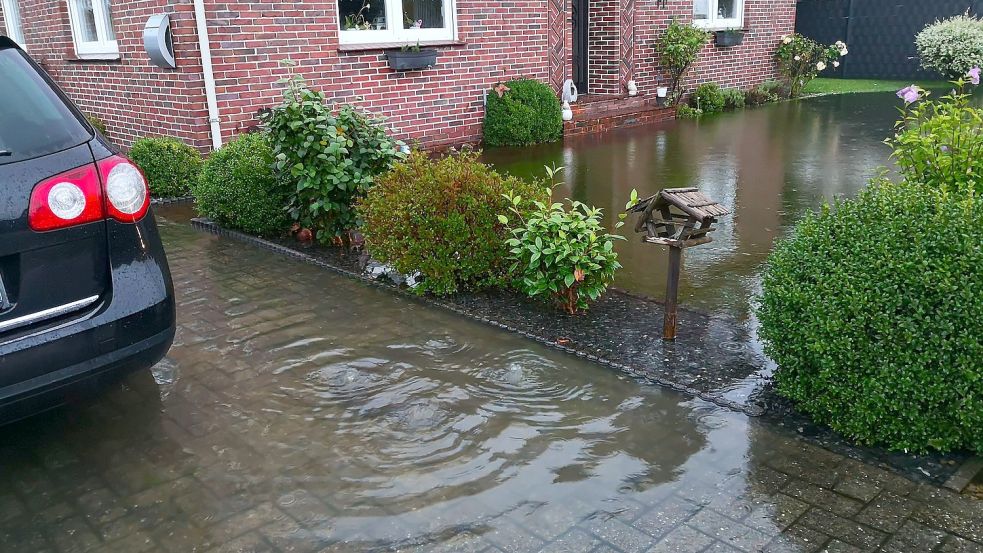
(54, 388)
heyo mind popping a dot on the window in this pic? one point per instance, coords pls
(15, 28)
(405, 21)
(718, 14)
(92, 28)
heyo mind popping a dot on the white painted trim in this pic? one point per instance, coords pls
(714, 23)
(15, 33)
(394, 12)
(101, 49)
(211, 98)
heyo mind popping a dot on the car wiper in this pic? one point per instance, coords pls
(6, 153)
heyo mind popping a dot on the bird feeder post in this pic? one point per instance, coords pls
(679, 218)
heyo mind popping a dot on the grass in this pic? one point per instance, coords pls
(850, 86)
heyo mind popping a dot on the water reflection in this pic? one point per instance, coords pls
(768, 164)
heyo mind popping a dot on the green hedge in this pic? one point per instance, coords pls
(708, 98)
(440, 218)
(527, 113)
(873, 310)
(171, 166)
(952, 46)
(238, 188)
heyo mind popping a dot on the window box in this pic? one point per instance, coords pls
(409, 60)
(728, 37)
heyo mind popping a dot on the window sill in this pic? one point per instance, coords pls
(392, 45)
(93, 57)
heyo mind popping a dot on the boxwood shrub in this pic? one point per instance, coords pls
(952, 46)
(526, 112)
(171, 166)
(872, 310)
(440, 218)
(238, 188)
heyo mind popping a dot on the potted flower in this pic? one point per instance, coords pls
(411, 58)
(729, 37)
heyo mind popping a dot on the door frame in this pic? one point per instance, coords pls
(581, 24)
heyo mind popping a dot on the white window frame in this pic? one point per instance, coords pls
(16, 34)
(97, 49)
(394, 12)
(715, 22)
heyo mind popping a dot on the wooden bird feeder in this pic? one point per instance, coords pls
(679, 218)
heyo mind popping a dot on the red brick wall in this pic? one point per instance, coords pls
(502, 40)
(130, 95)
(741, 66)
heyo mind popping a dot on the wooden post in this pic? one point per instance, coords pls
(672, 292)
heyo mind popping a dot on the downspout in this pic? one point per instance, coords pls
(206, 69)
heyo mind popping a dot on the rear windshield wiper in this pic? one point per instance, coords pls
(6, 153)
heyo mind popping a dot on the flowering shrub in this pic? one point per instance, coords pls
(872, 311)
(952, 46)
(330, 156)
(560, 252)
(677, 49)
(439, 218)
(800, 59)
(939, 143)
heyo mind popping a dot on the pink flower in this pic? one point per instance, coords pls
(974, 75)
(909, 94)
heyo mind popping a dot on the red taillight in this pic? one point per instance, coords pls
(71, 198)
(127, 195)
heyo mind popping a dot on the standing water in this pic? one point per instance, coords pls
(768, 164)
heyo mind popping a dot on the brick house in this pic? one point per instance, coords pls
(94, 48)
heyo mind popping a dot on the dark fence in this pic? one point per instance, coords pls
(880, 33)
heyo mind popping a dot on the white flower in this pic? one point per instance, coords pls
(836, 64)
(798, 58)
(844, 51)
(840, 45)
(786, 39)
(821, 65)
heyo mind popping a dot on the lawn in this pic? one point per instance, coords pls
(849, 86)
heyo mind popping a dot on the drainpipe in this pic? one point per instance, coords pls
(206, 68)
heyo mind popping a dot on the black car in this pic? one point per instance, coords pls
(85, 291)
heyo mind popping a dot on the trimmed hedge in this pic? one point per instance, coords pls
(171, 166)
(440, 218)
(238, 188)
(527, 113)
(872, 310)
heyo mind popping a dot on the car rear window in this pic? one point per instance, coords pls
(34, 120)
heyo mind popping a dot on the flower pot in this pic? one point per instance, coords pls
(410, 60)
(728, 38)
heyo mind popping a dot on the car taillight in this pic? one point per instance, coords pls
(71, 198)
(127, 195)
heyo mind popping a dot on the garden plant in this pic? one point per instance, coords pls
(238, 188)
(951, 46)
(170, 166)
(330, 155)
(439, 218)
(800, 59)
(708, 98)
(677, 49)
(871, 308)
(520, 113)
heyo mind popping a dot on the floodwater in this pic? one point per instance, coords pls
(768, 165)
(301, 411)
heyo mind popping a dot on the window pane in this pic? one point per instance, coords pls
(701, 9)
(108, 20)
(423, 14)
(86, 18)
(11, 12)
(727, 9)
(362, 15)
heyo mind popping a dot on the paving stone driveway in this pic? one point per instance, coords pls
(299, 411)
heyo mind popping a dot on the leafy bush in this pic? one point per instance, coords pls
(97, 123)
(522, 112)
(952, 46)
(872, 311)
(733, 98)
(238, 188)
(171, 166)
(677, 49)
(687, 112)
(561, 253)
(439, 218)
(759, 95)
(708, 98)
(800, 59)
(939, 143)
(330, 157)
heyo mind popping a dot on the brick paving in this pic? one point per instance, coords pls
(302, 412)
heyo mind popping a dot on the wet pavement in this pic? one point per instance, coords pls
(302, 411)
